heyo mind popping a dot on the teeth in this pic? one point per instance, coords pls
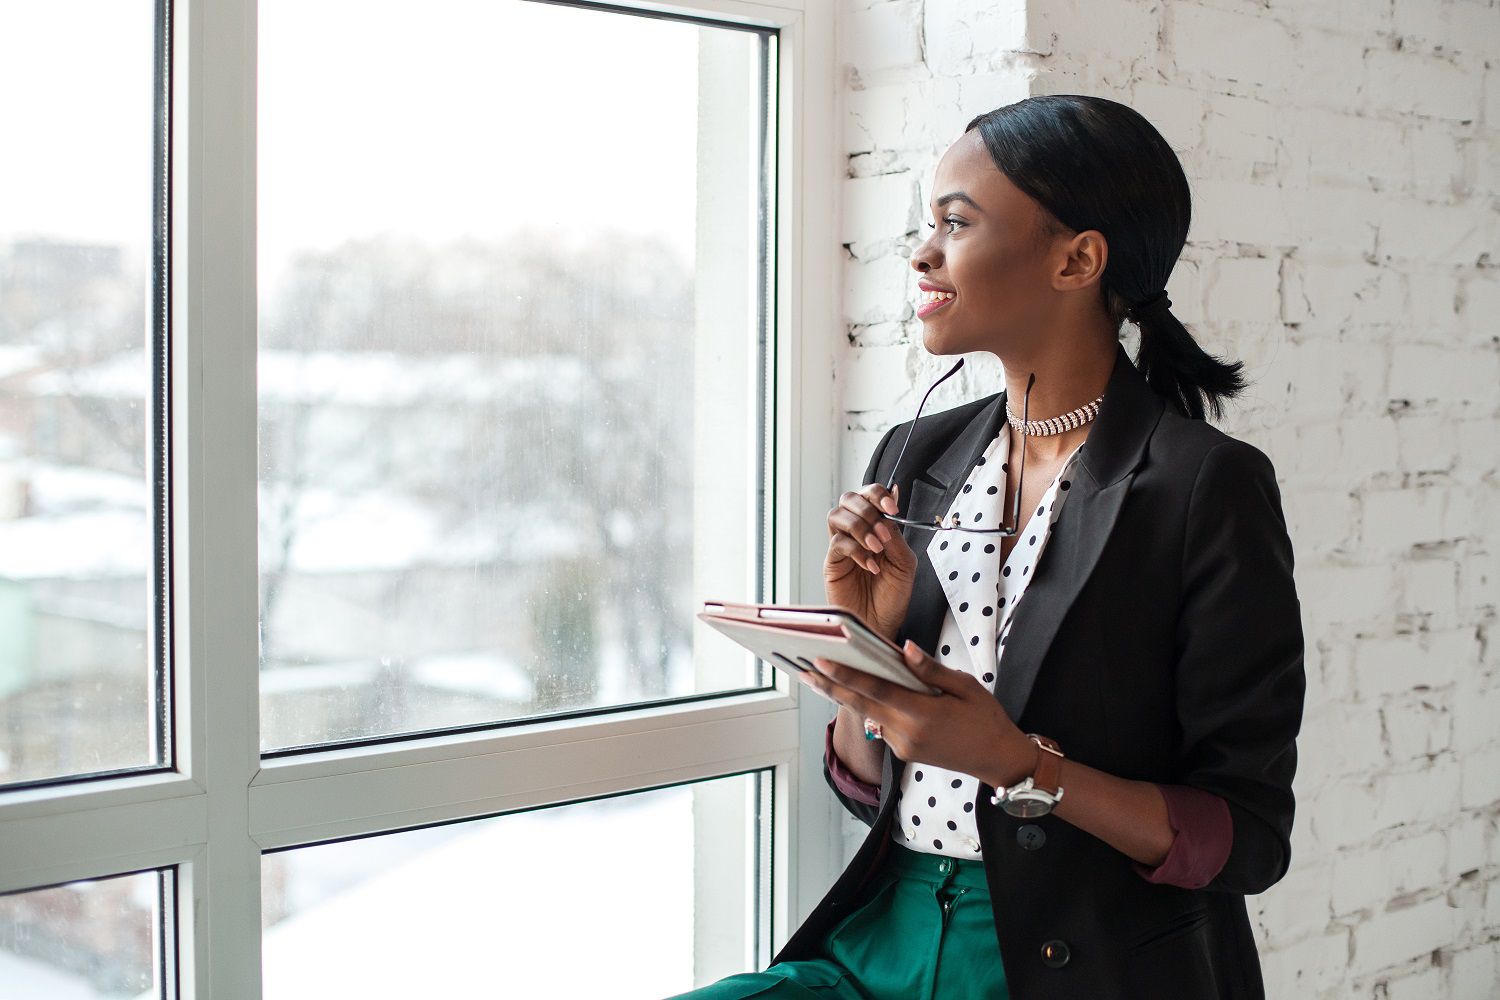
(936, 296)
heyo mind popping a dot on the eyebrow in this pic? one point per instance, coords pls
(958, 196)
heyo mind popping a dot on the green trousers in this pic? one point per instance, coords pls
(925, 931)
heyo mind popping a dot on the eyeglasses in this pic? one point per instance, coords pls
(936, 524)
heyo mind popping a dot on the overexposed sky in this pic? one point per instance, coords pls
(437, 119)
(75, 120)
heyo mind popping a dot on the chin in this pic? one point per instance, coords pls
(937, 343)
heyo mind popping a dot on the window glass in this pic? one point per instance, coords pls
(643, 895)
(84, 940)
(511, 361)
(77, 459)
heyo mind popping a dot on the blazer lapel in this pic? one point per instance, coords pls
(1114, 447)
(932, 493)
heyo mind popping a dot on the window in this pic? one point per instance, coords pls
(382, 387)
(630, 895)
(82, 595)
(98, 938)
(510, 396)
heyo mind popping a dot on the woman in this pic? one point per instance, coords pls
(1107, 773)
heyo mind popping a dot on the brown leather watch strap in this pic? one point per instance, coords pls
(1048, 774)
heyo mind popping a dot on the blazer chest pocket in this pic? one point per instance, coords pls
(922, 502)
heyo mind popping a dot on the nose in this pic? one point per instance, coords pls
(921, 258)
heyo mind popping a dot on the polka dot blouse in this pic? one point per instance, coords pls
(935, 806)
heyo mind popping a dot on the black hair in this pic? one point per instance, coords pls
(1093, 163)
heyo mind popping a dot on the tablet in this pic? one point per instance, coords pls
(790, 636)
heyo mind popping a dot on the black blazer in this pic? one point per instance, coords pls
(1160, 640)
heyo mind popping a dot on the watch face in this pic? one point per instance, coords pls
(1027, 803)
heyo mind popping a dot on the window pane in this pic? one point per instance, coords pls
(643, 895)
(85, 940)
(77, 462)
(510, 369)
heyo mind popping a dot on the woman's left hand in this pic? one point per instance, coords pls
(964, 729)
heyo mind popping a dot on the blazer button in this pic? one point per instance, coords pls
(1030, 836)
(1055, 954)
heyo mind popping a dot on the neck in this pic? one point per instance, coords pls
(1066, 378)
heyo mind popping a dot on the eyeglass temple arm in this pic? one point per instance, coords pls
(892, 477)
(1015, 518)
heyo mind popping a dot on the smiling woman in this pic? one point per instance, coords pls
(1107, 772)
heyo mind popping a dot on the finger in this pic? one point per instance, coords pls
(862, 517)
(851, 699)
(823, 684)
(843, 696)
(841, 520)
(860, 684)
(841, 544)
(886, 500)
(930, 671)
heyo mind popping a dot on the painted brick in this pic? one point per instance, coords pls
(1391, 937)
(879, 286)
(1446, 374)
(1414, 83)
(875, 118)
(1466, 846)
(1476, 971)
(1481, 779)
(1361, 882)
(963, 39)
(1242, 288)
(1329, 69)
(879, 208)
(1243, 212)
(1423, 233)
(1477, 709)
(1401, 663)
(1307, 968)
(1225, 45)
(1416, 725)
(885, 40)
(1286, 911)
(1357, 18)
(1425, 984)
(1177, 112)
(875, 377)
(1417, 862)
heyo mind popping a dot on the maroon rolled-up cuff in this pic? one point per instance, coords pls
(842, 776)
(1203, 833)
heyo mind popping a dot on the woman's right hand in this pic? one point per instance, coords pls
(869, 569)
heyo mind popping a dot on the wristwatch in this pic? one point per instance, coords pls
(1037, 794)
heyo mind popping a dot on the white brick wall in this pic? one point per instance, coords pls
(1345, 163)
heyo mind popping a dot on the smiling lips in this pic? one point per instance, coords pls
(932, 301)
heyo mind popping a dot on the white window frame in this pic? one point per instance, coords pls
(212, 818)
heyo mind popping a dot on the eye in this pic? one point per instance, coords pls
(948, 221)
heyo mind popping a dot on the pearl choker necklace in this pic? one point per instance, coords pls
(1055, 425)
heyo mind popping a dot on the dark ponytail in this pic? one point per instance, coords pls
(1094, 163)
